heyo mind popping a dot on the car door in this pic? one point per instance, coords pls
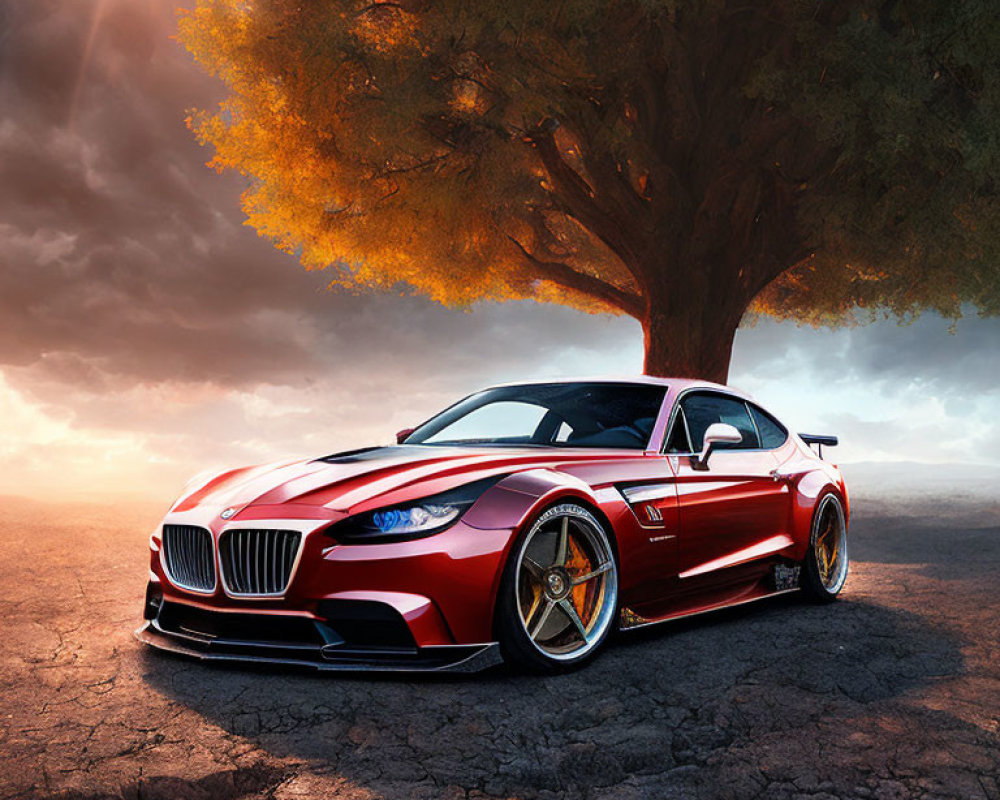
(734, 512)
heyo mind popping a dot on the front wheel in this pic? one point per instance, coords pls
(559, 591)
(825, 567)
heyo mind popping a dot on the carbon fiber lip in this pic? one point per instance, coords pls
(438, 658)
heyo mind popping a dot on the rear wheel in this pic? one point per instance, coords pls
(825, 567)
(559, 592)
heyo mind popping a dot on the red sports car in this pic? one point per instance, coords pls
(524, 523)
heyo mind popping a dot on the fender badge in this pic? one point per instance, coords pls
(228, 513)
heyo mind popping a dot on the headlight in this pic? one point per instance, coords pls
(417, 519)
(411, 520)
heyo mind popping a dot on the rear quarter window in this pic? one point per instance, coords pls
(772, 433)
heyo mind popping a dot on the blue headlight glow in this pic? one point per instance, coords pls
(385, 521)
(414, 520)
(418, 518)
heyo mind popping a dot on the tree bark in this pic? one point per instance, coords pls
(742, 236)
(682, 346)
(691, 320)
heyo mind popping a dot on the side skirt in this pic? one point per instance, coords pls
(630, 620)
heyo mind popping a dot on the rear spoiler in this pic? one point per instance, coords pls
(813, 438)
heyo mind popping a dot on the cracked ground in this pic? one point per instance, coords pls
(893, 692)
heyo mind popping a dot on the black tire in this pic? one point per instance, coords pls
(551, 586)
(823, 579)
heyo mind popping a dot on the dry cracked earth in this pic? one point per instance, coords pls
(893, 692)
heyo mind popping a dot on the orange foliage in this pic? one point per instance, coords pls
(366, 157)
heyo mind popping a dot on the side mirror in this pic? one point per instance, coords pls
(717, 433)
(401, 435)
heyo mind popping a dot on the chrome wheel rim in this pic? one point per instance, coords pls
(566, 583)
(830, 544)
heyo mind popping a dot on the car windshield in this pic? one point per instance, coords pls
(615, 415)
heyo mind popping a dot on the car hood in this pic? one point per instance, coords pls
(356, 480)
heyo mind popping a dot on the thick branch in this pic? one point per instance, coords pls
(565, 275)
(578, 198)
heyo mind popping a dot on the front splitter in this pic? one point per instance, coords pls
(437, 658)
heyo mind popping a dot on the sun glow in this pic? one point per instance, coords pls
(88, 52)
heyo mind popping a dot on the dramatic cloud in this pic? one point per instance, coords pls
(146, 333)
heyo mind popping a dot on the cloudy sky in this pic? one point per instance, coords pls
(146, 334)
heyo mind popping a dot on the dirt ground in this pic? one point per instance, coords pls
(893, 692)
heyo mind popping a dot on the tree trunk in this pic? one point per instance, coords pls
(684, 348)
(689, 330)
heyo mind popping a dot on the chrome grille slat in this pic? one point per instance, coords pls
(274, 561)
(188, 557)
(232, 559)
(258, 561)
(246, 575)
(237, 572)
(257, 565)
(226, 558)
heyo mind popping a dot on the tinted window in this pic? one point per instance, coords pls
(617, 415)
(702, 410)
(678, 442)
(772, 432)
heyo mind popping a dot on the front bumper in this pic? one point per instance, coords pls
(444, 586)
(422, 605)
(302, 641)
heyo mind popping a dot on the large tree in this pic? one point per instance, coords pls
(681, 161)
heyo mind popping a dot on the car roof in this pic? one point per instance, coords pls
(676, 384)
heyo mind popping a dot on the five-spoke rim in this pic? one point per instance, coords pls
(566, 583)
(830, 544)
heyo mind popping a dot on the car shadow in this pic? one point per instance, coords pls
(668, 700)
